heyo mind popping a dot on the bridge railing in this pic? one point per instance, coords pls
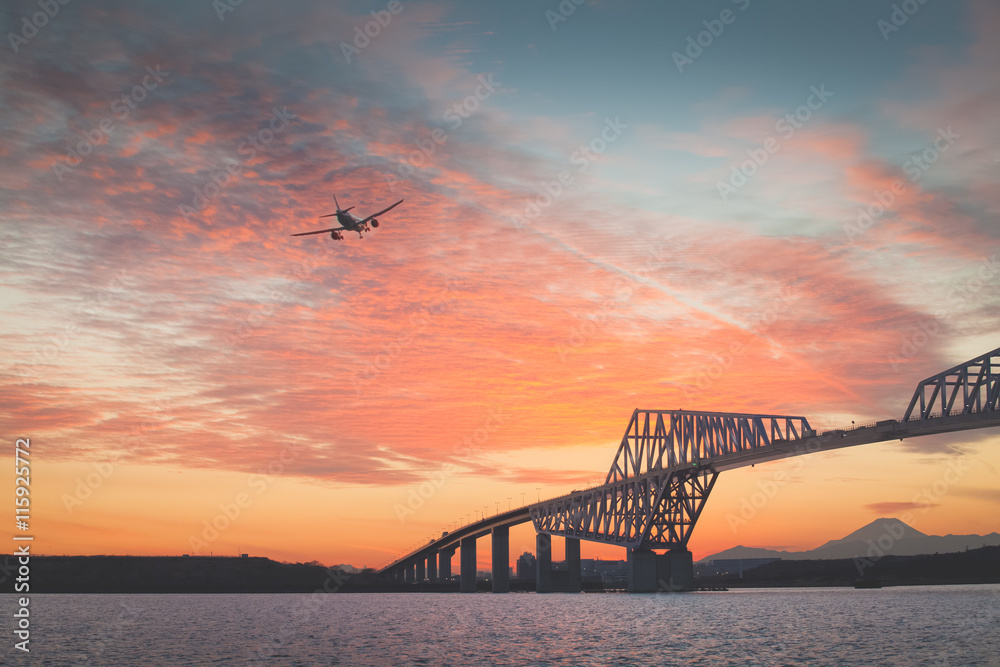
(970, 387)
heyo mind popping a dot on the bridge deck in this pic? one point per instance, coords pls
(450, 541)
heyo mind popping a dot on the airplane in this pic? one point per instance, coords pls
(348, 222)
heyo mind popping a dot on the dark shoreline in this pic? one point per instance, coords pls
(975, 566)
(221, 574)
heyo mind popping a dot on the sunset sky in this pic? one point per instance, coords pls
(748, 206)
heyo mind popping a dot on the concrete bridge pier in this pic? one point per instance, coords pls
(420, 569)
(445, 564)
(501, 559)
(562, 581)
(641, 568)
(432, 567)
(649, 572)
(681, 574)
(574, 582)
(543, 563)
(468, 557)
(409, 573)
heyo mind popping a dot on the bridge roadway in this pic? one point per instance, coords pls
(645, 504)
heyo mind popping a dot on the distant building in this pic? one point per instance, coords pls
(729, 566)
(608, 571)
(526, 566)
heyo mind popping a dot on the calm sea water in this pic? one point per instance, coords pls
(941, 625)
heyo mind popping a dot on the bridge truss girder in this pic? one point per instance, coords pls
(969, 388)
(656, 439)
(657, 510)
(661, 477)
(680, 506)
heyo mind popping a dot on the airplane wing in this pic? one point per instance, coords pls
(321, 231)
(375, 215)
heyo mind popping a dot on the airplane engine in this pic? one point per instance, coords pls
(335, 236)
(374, 222)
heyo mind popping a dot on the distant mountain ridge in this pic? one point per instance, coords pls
(882, 537)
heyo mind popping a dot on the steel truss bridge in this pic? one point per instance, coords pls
(664, 470)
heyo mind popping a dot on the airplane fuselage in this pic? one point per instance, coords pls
(349, 222)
